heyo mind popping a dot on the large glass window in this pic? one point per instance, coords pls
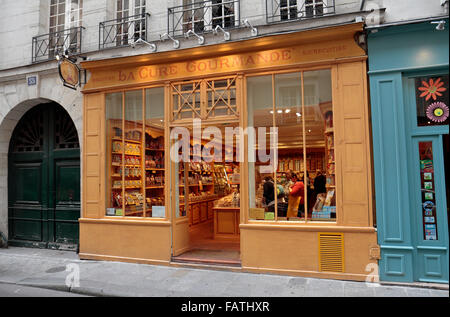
(291, 116)
(135, 169)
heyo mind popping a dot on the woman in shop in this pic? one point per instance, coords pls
(296, 197)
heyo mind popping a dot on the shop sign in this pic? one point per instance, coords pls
(312, 52)
(70, 73)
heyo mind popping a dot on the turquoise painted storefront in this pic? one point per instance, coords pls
(413, 235)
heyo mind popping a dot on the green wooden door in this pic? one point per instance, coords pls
(44, 180)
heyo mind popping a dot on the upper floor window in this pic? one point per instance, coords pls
(64, 27)
(282, 10)
(201, 16)
(65, 14)
(130, 16)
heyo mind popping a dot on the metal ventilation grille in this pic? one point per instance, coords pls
(331, 252)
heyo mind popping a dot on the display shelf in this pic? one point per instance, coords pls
(126, 140)
(120, 153)
(137, 158)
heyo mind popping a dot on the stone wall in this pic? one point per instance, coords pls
(16, 98)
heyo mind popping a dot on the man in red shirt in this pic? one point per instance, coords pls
(296, 196)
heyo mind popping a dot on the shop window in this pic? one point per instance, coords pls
(261, 172)
(115, 155)
(428, 191)
(221, 97)
(320, 154)
(300, 186)
(432, 100)
(205, 99)
(135, 169)
(186, 100)
(155, 168)
(288, 120)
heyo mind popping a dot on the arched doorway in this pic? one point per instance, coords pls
(44, 180)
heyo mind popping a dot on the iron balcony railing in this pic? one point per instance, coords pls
(46, 47)
(123, 31)
(287, 10)
(203, 16)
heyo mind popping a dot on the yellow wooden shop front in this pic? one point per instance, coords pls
(340, 247)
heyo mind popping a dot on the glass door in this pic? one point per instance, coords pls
(430, 209)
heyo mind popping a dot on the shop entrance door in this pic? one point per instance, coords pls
(44, 180)
(194, 106)
(427, 127)
(430, 213)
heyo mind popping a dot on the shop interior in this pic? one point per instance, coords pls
(298, 105)
(209, 195)
(300, 112)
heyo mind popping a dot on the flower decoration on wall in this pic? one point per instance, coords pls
(432, 89)
(437, 112)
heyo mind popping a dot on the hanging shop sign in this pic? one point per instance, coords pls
(70, 73)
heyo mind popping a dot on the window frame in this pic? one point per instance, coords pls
(67, 25)
(124, 38)
(292, 70)
(166, 186)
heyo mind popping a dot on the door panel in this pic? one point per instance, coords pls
(27, 183)
(430, 210)
(180, 216)
(44, 179)
(25, 212)
(67, 201)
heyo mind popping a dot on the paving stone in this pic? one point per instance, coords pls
(46, 268)
(390, 291)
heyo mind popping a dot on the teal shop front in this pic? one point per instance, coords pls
(409, 83)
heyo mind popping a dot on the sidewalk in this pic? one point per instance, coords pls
(47, 269)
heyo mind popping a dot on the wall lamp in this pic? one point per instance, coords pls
(141, 41)
(248, 24)
(440, 25)
(226, 35)
(176, 43)
(201, 39)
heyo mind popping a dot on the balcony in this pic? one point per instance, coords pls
(46, 47)
(203, 16)
(291, 10)
(123, 31)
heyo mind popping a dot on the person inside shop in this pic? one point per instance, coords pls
(296, 197)
(269, 193)
(319, 185)
(288, 183)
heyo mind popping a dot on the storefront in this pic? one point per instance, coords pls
(408, 70)
(256, 116)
